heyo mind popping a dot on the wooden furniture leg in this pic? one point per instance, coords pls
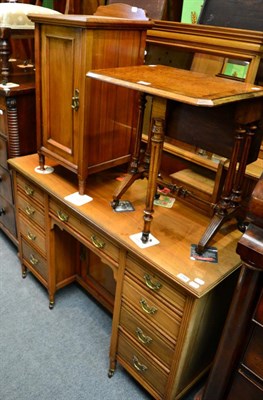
(5, 53)
(231, 197)
(157, 140)
(135, 170)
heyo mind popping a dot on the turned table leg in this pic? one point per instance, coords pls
(157, 140)
(231, 196)
(135, 171)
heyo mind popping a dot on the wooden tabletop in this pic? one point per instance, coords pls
(178, 84)
(176, 228)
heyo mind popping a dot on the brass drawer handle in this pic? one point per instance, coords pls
(139, 366)
(31, 236)
(152, 285)
(30, 211)
(62, 216)
(146, 308)
(33, 260)
(97, 242)
(142, 337)
(29, 191)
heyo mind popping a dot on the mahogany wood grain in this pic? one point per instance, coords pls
(237, 368)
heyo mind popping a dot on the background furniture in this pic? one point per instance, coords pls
(17, 137)
(74, 123)
(154, 9)
(205, 49)
(237, 371)
(165, 350)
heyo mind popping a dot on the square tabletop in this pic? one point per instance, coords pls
(177, 84)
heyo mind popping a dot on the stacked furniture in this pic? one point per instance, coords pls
(237, 371)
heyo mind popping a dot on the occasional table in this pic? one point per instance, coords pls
(225, 116)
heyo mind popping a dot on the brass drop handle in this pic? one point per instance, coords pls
(31, 236)
(139, 366)
(62, 216)
(142, 337)
(29, 211)
(146, 308)
(97, 242)
(33, 260)
(152, 285)
(29, 191)
(75, 100)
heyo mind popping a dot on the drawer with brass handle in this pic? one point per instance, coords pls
(32, 234)
(29, 190)
(91, 237)
(31, 210)
(155, 342)
(33, 260)
(142, 365)
(155, 284)
(152, 309)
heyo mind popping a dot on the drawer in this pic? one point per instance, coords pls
(253, 358)
(3, 152)
(153, 283)
(7, 217)
(3, 117)
(34, 260)
(91, 238)
(151, 308)
(32, 234)
(31, 210)
(147, 337)
(6, 185)
(29, 190)
(243, 389)
(141, 366)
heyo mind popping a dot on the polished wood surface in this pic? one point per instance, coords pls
(179, 85)
(162, 316)
(100, 214)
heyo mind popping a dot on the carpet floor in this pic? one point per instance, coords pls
(59, 354)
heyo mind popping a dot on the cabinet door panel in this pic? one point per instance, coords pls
(59, 53)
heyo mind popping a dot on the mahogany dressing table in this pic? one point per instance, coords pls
(216, 114)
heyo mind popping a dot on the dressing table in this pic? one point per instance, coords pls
(166, 306)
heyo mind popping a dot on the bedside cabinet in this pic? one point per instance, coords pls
(17, 137)
(86, 126)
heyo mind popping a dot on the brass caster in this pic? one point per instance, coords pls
(24, 273)
(51, 305)
(111, 373)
